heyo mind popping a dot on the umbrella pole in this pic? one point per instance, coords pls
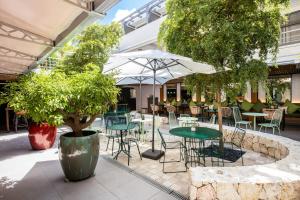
(141, 101)
(153, 110)
(152, 153)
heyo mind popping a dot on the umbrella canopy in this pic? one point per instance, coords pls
(155, 63)
(165, 64)
(139, 79)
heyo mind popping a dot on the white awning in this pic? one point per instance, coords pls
(31, 29)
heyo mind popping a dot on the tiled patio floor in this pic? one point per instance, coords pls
(37, 175)
(27, 174)
(178, 182)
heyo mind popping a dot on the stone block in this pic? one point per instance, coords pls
(206, 192)
(227, 191)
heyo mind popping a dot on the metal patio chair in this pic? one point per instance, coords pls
(275, 122)
(238, 118)
(169, 146)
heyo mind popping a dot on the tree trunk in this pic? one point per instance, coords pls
(220, 122)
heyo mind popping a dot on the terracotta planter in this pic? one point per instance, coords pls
(78, 156)
(41, 136)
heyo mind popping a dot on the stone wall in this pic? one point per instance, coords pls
(278, 180)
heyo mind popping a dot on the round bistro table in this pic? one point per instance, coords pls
(254, 115)
(201, 133)
(121, 128)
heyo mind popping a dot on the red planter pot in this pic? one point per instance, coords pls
(41, 136)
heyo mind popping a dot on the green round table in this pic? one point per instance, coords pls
(121, 128)
(201, 133)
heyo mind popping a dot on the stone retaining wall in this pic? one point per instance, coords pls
(278, 180)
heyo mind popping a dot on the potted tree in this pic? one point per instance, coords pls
(74, 93)
(21, 97)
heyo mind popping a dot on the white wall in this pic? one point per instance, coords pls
(147, 90)
(296, 88)
(248, 92)
(261, 93)
(178, 92)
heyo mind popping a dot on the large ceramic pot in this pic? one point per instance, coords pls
(79, 155)
(41, 136)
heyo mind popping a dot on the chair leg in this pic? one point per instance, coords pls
(260, 128)
(241, 152)
(164, 161)
(112, 148)
(107, 144)
(128, 156)
(138, 148)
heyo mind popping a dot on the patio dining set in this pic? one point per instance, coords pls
(195, 143)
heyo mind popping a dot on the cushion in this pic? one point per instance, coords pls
(292, 108)
(258, 106)
(246, 106)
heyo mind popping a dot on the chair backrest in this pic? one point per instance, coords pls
(131, 125)
(111, 120)
(212, 119)
(277, 117)
(226, 111)
(128, 118)
(163, 142)
(269, 112)
(184, 115)
(172, 120)
(236, 114)
(238, 136)
(170, 108)
(189, 124)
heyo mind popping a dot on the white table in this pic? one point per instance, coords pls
(142, 122)
(254, 115)
(186, 120)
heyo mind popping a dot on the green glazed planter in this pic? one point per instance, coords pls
(79, 155)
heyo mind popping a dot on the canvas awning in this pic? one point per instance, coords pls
(31, 29)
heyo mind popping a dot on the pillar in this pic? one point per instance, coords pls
(248, 92)
(165, 92)
(296, 88)
(178, 92)
(261, 93)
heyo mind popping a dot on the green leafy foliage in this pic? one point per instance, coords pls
(234, 36)
(76, 91)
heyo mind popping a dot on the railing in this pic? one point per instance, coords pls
(156, 9)
(146, 14)
(290, 35)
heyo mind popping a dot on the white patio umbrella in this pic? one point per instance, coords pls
(154, 63)
(139, 79)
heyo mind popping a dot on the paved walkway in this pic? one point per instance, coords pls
(37, 175)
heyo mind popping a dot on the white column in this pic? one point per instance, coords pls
(165, 92)
(194, 96)
(248, 92)
(178, 92)
(296, 88)
(261, 93)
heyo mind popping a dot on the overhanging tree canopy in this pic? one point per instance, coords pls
(236, 35)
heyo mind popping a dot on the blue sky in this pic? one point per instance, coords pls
(122, 9)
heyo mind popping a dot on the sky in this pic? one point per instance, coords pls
(122, 9)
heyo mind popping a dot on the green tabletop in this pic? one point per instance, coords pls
(118, 127)
(202, 133)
